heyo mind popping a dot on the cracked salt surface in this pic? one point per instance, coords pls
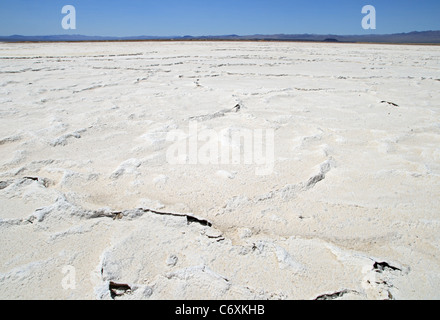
(350, 210)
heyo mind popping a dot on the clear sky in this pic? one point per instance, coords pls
(215, 17)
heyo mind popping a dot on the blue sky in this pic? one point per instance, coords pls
(215, 17)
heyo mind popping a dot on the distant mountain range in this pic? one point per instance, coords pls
(429, 37)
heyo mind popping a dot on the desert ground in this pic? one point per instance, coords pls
(344, 205)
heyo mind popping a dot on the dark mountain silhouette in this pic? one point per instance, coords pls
(429, 37)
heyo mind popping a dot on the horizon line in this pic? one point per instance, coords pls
(221, 35)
